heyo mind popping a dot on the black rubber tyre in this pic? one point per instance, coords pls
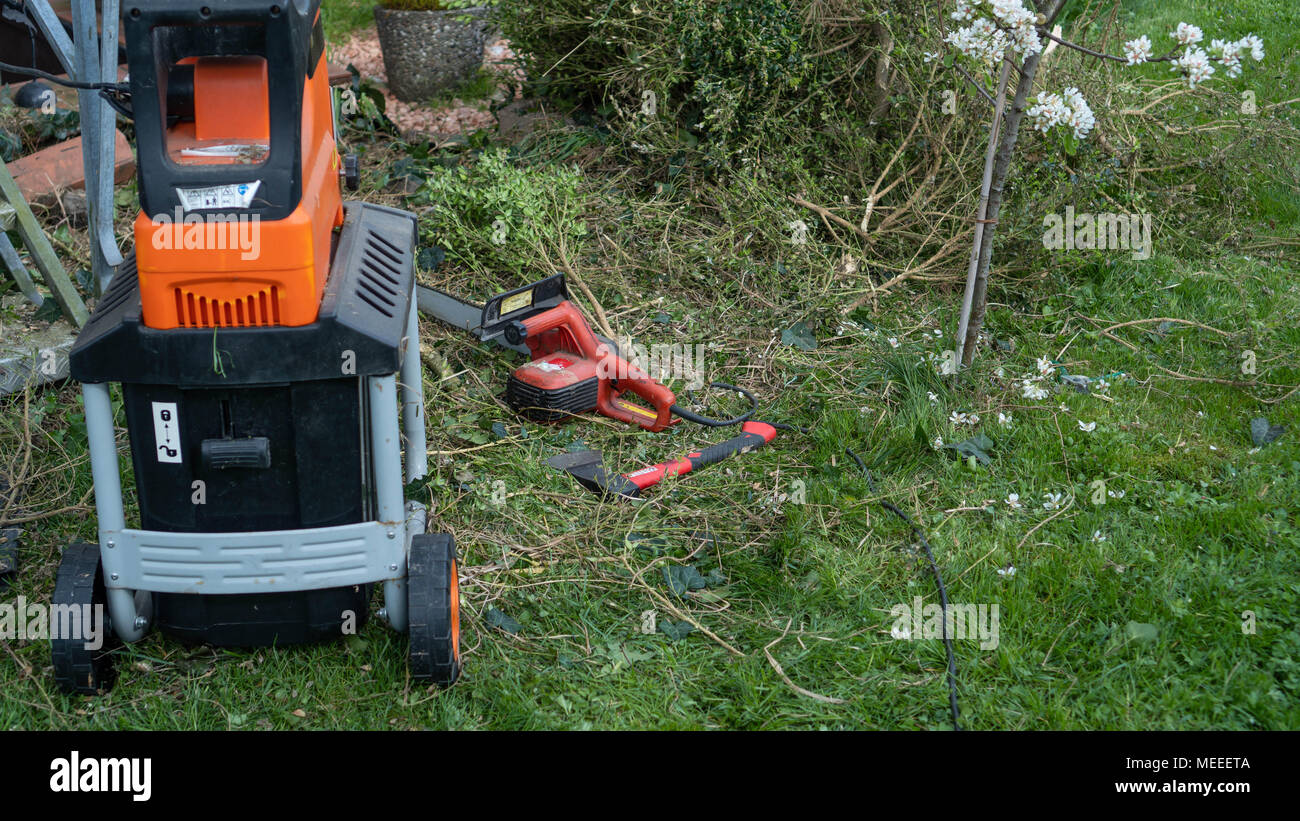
(433, 602)
(80, 582)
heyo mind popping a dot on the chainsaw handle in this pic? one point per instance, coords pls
(630, 379)
(753, 436)
(564, 318)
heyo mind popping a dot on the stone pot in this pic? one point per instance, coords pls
(427, 52)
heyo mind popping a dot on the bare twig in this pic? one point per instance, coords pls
(767, 651)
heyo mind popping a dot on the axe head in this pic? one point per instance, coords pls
(586, 466)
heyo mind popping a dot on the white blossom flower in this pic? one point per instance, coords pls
(1044, 365)
(958, 418)
(1229, 55)
(1098, 536)
(1087, 427)
(1004, 419)
(1068, 108)
(1081, 118)
(1138, 51)
(1186, 34)
(1102, 386)
(965, 10)
(930, 56)
(1013, 501)
(1008, 27)
(1254, 44)
(893, 342)
(937, 444)
(1009, 571)
(1196, 64)
(1032, 390)
(1051, 501)
(934, 399)
(938, 332)
(1115, 494)
(1049, 112)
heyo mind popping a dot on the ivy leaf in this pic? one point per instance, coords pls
(676, 631)
(654, 545)
(978, 446)
(1261, 432)
(684, 578)
(49, 311)
(495, 618)
(798, 336)
(430, 257)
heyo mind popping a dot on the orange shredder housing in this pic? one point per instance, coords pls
(206, 273)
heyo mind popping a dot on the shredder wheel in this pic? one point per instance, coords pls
(80, 582)
(433, 602)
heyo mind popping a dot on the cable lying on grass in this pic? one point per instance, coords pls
(938, 577)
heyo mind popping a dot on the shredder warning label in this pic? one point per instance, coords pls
(239, 195)
(166, 432)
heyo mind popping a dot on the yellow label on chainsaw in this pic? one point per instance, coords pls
(513, 303)
(637, 409)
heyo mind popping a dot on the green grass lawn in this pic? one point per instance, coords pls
(1129, 597)
(342, 17)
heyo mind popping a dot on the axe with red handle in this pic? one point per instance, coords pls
(586, 467)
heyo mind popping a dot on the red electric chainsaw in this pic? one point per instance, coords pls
(573, 370)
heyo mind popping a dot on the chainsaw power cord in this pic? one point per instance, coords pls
(938, 577)
(707, 421)
(689, 416)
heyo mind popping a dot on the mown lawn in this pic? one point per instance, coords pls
(1131, 599)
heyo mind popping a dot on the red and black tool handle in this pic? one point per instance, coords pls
(753, 435)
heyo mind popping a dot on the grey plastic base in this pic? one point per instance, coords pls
(138, 563)
(259, 562)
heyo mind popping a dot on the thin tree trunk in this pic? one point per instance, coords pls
(1001, 167)
(986, 182)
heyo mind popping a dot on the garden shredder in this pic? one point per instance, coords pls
(264, 336)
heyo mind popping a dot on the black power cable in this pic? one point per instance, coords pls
(117, 95)
(938, 577)
(689, 416)
(29, 71)
(698, 419)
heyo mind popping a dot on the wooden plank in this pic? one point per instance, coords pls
(38, 245)
(42, 176)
